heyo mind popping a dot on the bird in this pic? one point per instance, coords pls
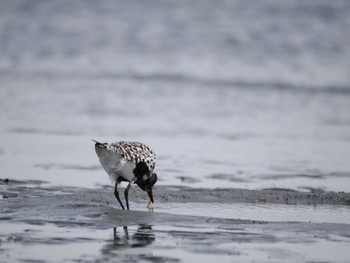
(133, 162)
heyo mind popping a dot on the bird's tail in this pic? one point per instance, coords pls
(99, 144)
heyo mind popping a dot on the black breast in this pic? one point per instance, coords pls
(142, 173)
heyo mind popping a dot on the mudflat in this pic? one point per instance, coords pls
(58, 224)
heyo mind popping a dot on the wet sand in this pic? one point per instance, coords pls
(87, 225)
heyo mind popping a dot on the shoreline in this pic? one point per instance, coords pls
(13, 189)
(34, 219)
(78, 206)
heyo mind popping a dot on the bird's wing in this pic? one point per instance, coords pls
(110, 160)
(134, 152)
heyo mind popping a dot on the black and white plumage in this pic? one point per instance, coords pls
(128, 161)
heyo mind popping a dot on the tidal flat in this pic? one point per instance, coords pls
(245, 103)
(56, 224)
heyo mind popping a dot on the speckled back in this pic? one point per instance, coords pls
(134, 152)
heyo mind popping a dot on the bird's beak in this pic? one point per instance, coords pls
(150, 194)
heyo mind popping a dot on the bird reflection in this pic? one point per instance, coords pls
(122, 239)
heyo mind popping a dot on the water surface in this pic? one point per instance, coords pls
(229, 94)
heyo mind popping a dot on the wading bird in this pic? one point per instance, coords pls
(133, 162)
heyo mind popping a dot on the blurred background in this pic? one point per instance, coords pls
(242, 94)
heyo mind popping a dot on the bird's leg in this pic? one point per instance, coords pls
(117, 195)
(126, 194)
(149, 204)
(114, 233)
(126, 232)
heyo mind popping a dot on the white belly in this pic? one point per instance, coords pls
(115, 165)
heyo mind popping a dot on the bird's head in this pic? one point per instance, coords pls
(148, 184)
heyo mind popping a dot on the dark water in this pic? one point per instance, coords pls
(248, 94)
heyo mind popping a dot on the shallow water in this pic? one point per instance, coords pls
(218, 109)
(229, 94)
(49, 142)
(78, 224)
(262, 212)
(164, 244)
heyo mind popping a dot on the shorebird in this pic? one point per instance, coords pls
(133, 162)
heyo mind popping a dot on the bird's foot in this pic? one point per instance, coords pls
(149, 204)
